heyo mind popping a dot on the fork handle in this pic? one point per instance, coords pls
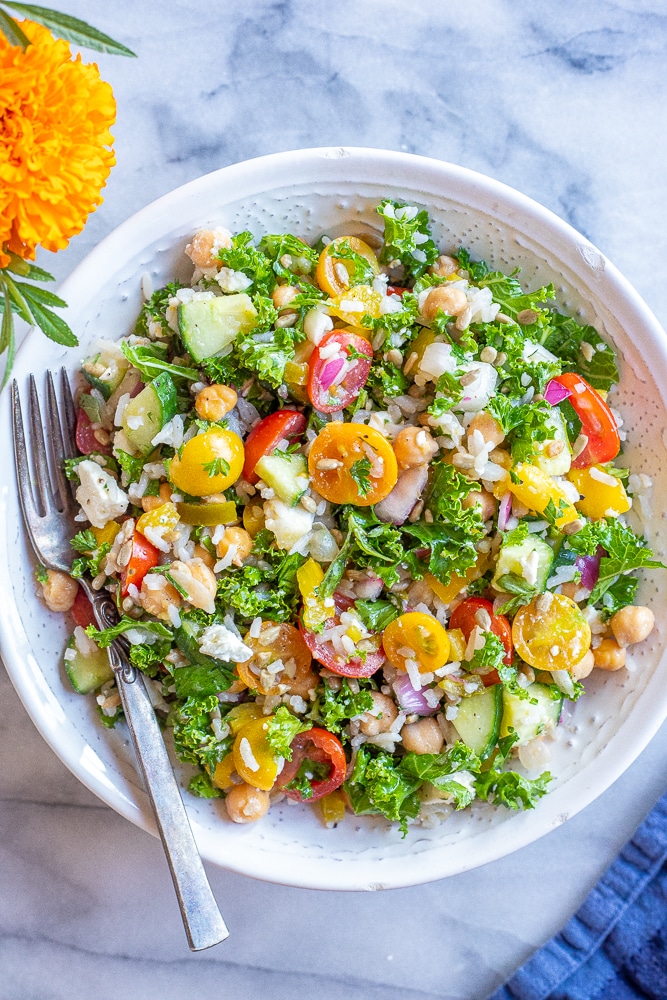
(202, 919)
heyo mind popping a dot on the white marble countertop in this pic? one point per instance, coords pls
(563, 101)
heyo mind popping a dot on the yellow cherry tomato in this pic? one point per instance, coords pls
(165, 516)
(253, 518)
(208, 463)
(536, 488)
(341, 452)
(353, 304)
(417, 348)
(330, 274)
(416, 636)
(315, 612)
(254, 758)
(551, 633)
(241, 714)
(222, 776)
(602, 495)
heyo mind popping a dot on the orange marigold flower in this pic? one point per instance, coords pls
(55, 143)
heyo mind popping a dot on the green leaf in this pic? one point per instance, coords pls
(53, 326)
(376, 615)
(360, 472)
(335, 708)
(625, 552)
(11, 30)
(18, 299)
(511, 789)
(40, 295)
(71, 29)
(104, 637)
(407, 237)
(17, 265)
(564, 337)
(7, 341)
(281, 730)
(150, 361)
(199, 681)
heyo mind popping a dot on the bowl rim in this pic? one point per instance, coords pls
(634, 735)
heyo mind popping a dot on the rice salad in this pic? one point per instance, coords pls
(358, 506)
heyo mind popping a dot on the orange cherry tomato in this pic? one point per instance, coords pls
(597, 422)
(265, 436)
(144, 556)
(321, 747)
(463, 617)
(551, 633)
(281, 642)
(420, 634)
(330, 274)
(335, 380)
(341, 452)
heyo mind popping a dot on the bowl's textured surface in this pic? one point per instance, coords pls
(336, 190)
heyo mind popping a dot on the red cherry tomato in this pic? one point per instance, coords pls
(324, 652)
(144, 557)
(85, 438)
(265, 436)
(322, 747)
(463, 617)
(335, 380)
(597, 422)
(82, 610)
(396, 290)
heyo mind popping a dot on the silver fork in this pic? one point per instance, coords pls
(49, 508)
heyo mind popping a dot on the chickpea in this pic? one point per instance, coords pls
(609, 655)
(198, 581)
(444, 266)
(282, 295)
(59, 591)
(632, 624)
(423, 737)
(202, 553)
(151, 503)
(488, 427)
(238, 537)
(379, 718)
(569, 589)
(301, 684)
(485, 501)
(157, 601)
(583, 667)
(246, 804)
(413, 447)
(443, 298)
(215, 402)
(205, 245)
(165, 492)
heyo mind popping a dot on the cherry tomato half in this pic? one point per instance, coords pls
(352, 463)
(85, 438)
(463, 617)
(597, 422)
(335, 274)
(82, 610)
(321, 747)
(208, 463)
(144, 556)
(335, 380)
(551, 632)
(265, 436)
(323, 650)
(423, 635)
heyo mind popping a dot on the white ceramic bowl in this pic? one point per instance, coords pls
(336, 190)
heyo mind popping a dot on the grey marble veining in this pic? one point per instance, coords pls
(565, 102)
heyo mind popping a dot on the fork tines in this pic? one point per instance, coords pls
(36, 487)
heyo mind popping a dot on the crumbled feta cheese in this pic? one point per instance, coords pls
(221, 643)
(232, 281)
(99, 494)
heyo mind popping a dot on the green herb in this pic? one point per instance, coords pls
(360, 272)
(149, 658)
(104, 637)
(378, 786)
(244, 256)
(524, 592)
(335, 708)
(282, 727)
(625, 552)
(360, 472)
(217, 467)
(582, 350)
(194, 739)
(511, 789)
(132, 467)
(376, 615)
(202, 786)
(407, 238)
(41, 574)
(150, 361)
(489, 657)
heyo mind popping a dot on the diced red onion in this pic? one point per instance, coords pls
(396, 507)
(329, 373)
(370, 588)
(555, 392)
(589, 567)
(409, 699)
(504, 511)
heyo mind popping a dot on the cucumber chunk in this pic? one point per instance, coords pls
(478, 719)
(86, 673)
(532, 716)
(147, 413)
(287, 475)
(530, 559)
(207, 326)
(109, 380)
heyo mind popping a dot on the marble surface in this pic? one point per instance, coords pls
(563, 101)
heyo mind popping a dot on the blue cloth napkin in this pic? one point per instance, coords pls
(615, 946)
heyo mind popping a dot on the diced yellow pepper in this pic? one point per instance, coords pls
(107, 533)
(332, 807)
(164, 516)
(222, 776)
(240, 714)
(253, 518)
(599, 499)
(309, 577)
(448, 591)
(457, 645)
(536, 488)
